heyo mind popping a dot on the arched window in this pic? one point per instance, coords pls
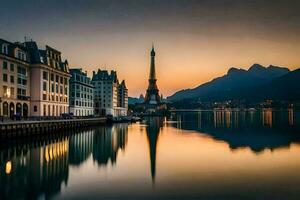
(19, 109)
(11, 109)
(5, 48)
(25, 110)
(5, 109)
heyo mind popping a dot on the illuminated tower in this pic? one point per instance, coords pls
(152, 96)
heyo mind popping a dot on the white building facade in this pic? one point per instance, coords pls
(106, 91)
(81, 93)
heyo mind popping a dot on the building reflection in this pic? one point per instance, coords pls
(291, 116)
(258, 130)
(107, 141)
(37, 169)
(267, 115)
(33, 171)
(80, 147)
(154, 125)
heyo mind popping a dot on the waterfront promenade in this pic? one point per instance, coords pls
(10, 129)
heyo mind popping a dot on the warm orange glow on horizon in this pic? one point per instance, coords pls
(187, 63)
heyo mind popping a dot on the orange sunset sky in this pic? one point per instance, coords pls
(195, 41)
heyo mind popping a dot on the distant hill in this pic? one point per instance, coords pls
(285, 87)
(134, 100)
(235, 83)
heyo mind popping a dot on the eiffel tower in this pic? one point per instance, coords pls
(152, 96)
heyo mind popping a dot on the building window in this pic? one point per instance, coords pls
(12, 92)
(45, 110)
(5, 48)
(21, 70)
(66, 90)
(52, 77)
(21, 92)
(42, 59)
(45, 86)
(22, 81)
(35, 108)
(61, 80)
(44, 97)
(12, 67)
(5, 77)
(5, 91)
(4, 65)
(45, 75)
(66, 81)
(57, 78)
(52, 87)
(12, 79)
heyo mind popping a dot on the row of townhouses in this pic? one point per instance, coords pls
(37, 82)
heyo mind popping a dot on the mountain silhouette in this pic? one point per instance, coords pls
(282, 88)
(238, 83)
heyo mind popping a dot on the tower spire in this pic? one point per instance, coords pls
(152, 65)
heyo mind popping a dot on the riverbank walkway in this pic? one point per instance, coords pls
(9, 128)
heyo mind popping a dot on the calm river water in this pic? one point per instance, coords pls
(191, 155)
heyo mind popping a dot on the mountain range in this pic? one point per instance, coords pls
(255, 84)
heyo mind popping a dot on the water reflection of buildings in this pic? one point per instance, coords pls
(80, 147)
(153, 128)
(291, 117)
(38, 169)
(107, 141)
(258, 130)
(267, 117)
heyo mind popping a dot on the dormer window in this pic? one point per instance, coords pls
(42, 59)
(21, 55)
(4, 49)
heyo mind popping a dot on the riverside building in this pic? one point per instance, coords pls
(107, 100)
(123, 96)
(33, 81)
(49, 81)
(14, 80)
(81, 93)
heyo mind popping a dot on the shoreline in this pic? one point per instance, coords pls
(13, 129)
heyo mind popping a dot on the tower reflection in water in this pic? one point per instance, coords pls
(154, 124)
(39, 168)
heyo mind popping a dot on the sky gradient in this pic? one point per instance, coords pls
(195, 40)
